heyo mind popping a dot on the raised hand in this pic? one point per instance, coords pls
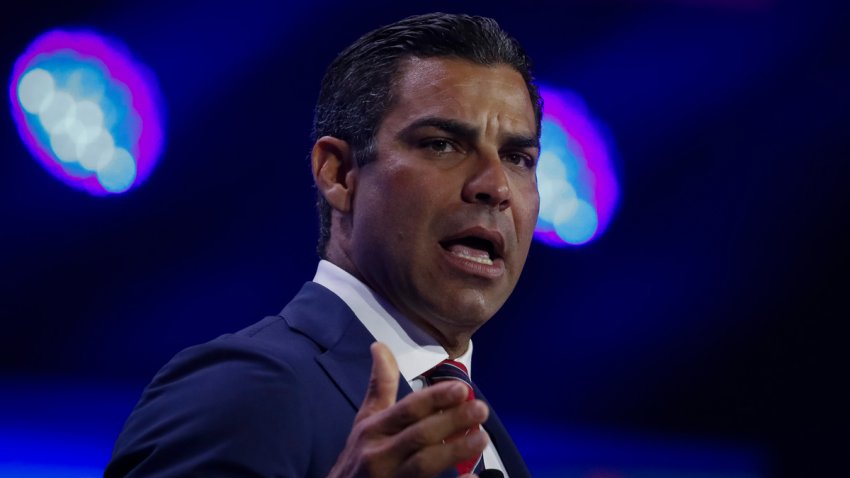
(420, 436)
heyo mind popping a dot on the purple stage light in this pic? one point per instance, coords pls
(87, 111)
(575, 176)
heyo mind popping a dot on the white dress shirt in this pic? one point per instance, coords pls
(415, 351)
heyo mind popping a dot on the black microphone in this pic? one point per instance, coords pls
(491, 473)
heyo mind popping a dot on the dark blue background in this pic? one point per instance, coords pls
(712, 312)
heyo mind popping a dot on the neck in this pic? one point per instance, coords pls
(455, 342)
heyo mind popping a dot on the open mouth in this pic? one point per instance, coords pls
(472, 248)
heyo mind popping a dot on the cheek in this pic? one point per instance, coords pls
(526, 211)
(399, 205)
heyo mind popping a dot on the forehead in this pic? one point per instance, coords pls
(462, 90)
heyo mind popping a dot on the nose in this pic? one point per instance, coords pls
(487, 183)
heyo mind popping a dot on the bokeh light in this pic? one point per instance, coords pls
(576, 178)
(88, 111)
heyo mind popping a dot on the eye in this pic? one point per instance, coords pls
(439, 145)
(521, 159)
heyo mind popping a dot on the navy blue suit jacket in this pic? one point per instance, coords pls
(276, 399)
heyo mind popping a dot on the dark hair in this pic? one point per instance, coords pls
(357, 90)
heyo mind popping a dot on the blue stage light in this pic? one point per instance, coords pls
(575, 176)
(87, 111)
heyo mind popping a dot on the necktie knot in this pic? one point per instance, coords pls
(450, 370)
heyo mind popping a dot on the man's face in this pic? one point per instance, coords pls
(443, 218)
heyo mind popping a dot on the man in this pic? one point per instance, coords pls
(427, 136)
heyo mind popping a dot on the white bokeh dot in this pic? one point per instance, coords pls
(98, 150)
(75, 129)
(554, 191)
(90, 116)
(56, 112)
(35, 90)
(63, 147)
(550, 166)
(581, 226)
(117, 173)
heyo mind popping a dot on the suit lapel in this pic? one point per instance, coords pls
(321, 315)
(349, 364)
(508, 452)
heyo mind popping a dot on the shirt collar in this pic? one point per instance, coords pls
(415, 351)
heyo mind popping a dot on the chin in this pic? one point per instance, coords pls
(470, 309)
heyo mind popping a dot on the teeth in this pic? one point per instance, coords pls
(478, 259)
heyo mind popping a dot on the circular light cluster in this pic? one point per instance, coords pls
(577, 184)
(76, 131)
(87, 111)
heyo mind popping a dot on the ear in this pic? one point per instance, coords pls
(333, 171)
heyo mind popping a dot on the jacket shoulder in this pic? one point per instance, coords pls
(241, 404)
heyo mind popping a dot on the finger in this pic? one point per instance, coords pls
(383, 382)
(435, 459)
(452, 424)
(422, 404)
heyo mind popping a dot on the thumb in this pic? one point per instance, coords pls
(383, 383)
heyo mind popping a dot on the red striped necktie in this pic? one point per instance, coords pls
(452, 370)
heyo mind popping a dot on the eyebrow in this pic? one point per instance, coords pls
(453, 127)
(521, 141)
(465, 131)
